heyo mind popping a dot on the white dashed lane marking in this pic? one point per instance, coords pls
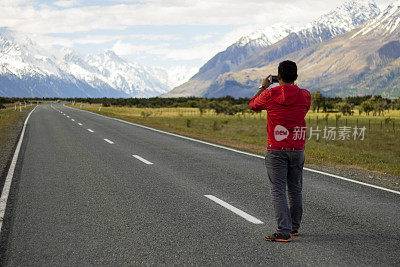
(90, 130)
(108, 141)
(142, 159)
(235, 210)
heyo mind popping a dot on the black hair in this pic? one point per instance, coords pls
(288, 71)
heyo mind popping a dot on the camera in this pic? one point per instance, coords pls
(273, 79)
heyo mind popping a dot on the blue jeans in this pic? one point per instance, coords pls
(285, 168)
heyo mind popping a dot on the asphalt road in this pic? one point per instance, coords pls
(91, 190)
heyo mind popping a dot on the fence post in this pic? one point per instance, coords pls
(346, 121)
(317, 120)
(357, 123)
(381, 124)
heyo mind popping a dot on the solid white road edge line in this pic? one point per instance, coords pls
(142, 159)
(242, 152)
(108, 141)
(235, 210)
(10, 174)
(90, 130)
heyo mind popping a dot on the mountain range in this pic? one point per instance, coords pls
(363, 61)
(28, 70)
(330, 55)
(352, 50)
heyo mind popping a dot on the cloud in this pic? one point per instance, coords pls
(203, 51)
(49, 19)
(66, 3)
(203, 37)
(123, 48)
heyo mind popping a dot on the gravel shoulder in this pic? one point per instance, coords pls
(376, 178)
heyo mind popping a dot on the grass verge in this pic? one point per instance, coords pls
(11, 123)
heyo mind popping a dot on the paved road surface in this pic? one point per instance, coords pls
(91, 190)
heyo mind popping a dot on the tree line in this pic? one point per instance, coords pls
(377, 105)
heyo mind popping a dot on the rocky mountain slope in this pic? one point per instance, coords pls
(229, 59)
(363, 61)
(343, 19)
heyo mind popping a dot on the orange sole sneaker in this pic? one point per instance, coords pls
(278, 238)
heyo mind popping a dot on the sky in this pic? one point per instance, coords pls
(163, 33)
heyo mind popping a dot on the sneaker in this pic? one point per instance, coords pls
(294, 233)
(278, 237)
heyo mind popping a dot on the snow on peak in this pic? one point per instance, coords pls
(21, 57)
(387, 22)
(346, 17)
(266, 36)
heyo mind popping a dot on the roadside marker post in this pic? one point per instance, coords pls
(100, 106)
(20, 107)
(15, 107)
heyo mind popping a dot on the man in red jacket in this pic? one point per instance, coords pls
(287, 106)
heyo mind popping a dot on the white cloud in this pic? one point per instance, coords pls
(245, 15)
(48, 19)
(203, 37)
(203, 51)
(66, 3)
(123, 48)
(154, 37)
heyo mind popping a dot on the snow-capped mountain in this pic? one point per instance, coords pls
(20, 56)
(26, 69)
(387, 22)
(344, 18)
(253, 52)
(109, 69)
(229, 59)
(363, 61)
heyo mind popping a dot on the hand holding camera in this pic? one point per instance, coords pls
(267, 83)
(271, 79)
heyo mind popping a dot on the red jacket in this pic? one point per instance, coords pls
(286, 106)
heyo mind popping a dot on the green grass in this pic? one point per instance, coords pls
(380, 151)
